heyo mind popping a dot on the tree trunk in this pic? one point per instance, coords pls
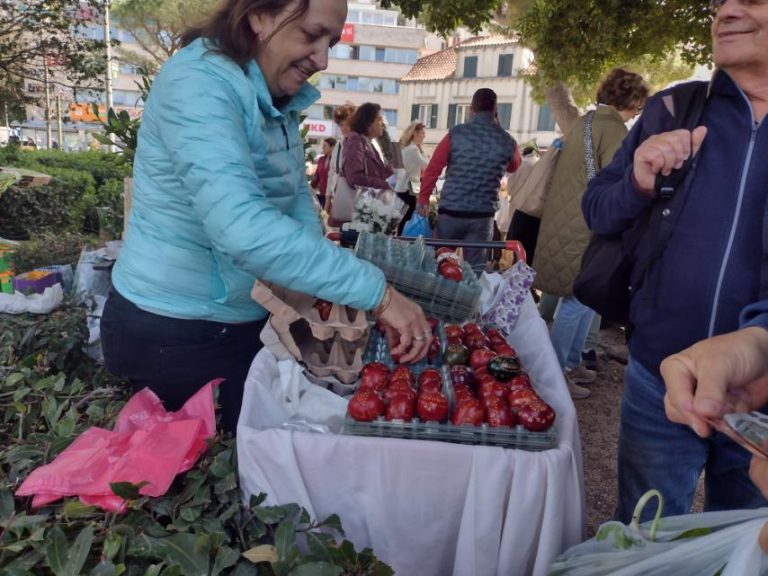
(562, 105)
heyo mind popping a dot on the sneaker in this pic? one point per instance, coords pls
(577, 392)
(581, 375)
(589, 359)
(619, 353)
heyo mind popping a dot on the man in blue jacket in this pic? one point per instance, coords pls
(709, 270)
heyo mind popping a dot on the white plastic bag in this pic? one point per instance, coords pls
(277, 392)
(94, 284)
(19, 303)
(723, 543)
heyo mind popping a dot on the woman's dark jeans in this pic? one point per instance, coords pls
(175, 358)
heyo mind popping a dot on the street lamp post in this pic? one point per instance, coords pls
(48, 135)
(108, 42)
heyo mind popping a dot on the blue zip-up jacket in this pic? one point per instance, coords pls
(710, 269)
(220, 198)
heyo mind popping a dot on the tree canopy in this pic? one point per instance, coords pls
(36, 33)
(157, 26)
(576, 41)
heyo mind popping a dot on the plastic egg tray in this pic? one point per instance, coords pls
(412, 269)
(503, 436)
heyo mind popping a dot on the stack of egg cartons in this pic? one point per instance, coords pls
(327, 348)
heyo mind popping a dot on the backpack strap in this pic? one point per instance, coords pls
(589, 149)
(686, 104)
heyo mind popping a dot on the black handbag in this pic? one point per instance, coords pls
(612, 271)
(604, 282)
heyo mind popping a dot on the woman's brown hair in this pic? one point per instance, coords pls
(230, 32)
(364, 117)
(622, 90)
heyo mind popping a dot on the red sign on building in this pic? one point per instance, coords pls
(348, 34)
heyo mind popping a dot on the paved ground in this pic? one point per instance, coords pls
(599, 424)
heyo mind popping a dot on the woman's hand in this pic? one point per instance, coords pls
(408, 332)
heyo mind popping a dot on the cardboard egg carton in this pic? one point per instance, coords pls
(329, 359)
(288, 306)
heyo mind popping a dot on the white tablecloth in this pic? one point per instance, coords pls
(431, 508)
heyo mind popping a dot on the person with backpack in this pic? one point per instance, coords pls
(708, 269)
(590, 144)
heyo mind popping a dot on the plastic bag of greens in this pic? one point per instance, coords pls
(708, 544)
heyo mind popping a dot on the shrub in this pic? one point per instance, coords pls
(101, 166)
(84, 181)
(48, 249)
(25, 212)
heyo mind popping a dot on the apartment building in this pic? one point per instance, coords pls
(438, 89)
(377, 48)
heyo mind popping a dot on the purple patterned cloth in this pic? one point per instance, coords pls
(509, 297)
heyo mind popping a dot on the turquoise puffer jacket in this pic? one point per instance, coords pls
(220, 199)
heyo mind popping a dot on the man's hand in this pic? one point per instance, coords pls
(423, 210)
(727, 373)
(663, 153)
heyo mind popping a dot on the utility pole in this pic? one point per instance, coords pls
(59, 128)
(108, 42)
(48, 135)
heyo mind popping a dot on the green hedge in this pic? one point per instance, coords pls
(48, 249)
(83, 182)
(101, 166)
(25, 212)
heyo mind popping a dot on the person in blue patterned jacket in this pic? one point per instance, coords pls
(475, 156)
(220, 199)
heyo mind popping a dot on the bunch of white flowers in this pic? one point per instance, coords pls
(379, 210)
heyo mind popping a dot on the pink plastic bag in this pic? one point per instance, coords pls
(147, 444)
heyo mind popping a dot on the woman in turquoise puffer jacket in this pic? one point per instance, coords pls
(220, 199)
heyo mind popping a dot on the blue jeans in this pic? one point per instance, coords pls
(569, 331)
(593, 335)
(470, 229)
(175, 358)
(656, 453)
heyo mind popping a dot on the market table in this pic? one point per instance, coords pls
(430, 508)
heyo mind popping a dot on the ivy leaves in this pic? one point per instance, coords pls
(50, 392)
